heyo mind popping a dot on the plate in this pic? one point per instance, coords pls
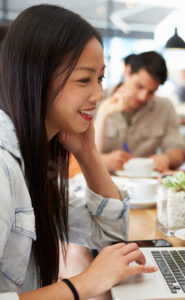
(122, 181)
(153, 174)
(142, 205)
(180, 234)
(128, 183)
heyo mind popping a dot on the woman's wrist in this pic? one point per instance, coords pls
(86, 156)
(72, 288)
(82, 286)
(97, 176)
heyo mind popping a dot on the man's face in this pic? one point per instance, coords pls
(141, 87)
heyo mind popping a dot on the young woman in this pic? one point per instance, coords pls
(51, 70)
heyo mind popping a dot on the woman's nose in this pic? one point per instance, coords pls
(97, 94)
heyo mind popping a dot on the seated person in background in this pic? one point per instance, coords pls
(135, 117)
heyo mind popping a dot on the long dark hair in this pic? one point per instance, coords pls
(40, 40)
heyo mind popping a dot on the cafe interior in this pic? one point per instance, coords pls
(157, 199)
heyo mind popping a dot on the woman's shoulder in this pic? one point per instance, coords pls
(12, 179)
(8, 163)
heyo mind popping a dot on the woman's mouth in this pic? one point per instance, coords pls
(87, 114)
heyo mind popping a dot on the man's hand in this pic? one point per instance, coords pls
(162, 162)
(115, 159)
(119, 101)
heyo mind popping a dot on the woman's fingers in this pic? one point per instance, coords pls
(137, 256)
(129, 248)
(131, 252)
(118, 245)
(139, 269)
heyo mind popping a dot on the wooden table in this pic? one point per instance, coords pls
(143, 227)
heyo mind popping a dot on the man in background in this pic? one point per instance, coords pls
(135, 122)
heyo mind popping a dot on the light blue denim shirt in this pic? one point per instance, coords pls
(94, 221)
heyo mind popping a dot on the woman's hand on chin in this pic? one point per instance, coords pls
(77, 142)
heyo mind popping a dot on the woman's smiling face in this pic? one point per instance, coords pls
(74, 106)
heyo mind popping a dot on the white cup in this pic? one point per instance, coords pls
(143, 190)
(139, 166)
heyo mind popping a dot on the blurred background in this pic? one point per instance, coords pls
(127, 27)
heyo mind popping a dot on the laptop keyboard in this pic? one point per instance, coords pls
(172, 266)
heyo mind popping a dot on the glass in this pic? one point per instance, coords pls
(170, 210)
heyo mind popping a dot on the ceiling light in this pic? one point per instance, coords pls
(175, 41)
(129, 4)
(100, 10)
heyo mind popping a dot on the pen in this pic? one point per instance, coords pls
(125, 147)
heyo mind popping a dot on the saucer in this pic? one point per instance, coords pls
(142, 205)
(180, 234)
(126, 173)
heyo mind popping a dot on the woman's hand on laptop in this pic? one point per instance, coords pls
(112, 266)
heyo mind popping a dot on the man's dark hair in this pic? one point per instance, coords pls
(150, 61)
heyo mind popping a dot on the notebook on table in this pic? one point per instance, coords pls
(167, 283)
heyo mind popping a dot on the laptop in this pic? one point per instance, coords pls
(167, 283)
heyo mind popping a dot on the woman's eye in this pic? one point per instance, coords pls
(84, 80)
(100, 79)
